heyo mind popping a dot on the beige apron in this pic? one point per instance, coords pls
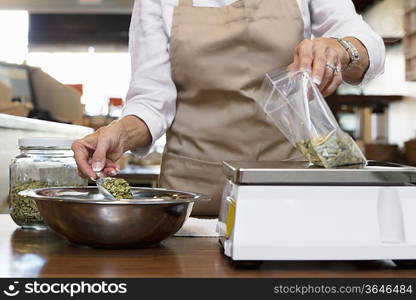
(219, 57)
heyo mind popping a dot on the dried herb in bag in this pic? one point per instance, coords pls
(297, 108)
(334, 150)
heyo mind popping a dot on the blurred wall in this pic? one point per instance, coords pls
(387, 18)
(63, 102)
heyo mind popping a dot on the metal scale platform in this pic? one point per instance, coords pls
(290, 211)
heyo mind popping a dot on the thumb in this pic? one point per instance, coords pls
(99, 156)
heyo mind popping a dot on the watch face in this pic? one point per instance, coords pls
(355, 55)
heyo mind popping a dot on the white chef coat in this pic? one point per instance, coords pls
(152, 93)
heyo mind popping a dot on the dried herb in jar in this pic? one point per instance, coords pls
(118, 187)
(24, 209)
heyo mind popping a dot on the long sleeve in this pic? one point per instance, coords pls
(152, 93)
(339, 19)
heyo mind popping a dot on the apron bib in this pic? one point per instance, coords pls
(219, 57)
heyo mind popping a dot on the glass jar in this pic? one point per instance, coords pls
(42, 162)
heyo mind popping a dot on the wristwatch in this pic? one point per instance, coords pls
(352, 51)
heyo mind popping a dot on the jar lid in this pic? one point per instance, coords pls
(46, 142)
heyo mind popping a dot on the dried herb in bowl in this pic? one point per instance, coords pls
(118, 187)
(24, 210)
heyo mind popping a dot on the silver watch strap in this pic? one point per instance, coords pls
(352, 51)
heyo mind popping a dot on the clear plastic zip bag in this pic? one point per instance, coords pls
(300, 112)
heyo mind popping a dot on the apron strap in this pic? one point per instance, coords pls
(186, 3)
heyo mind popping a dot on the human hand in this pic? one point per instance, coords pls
(323, 58)
(99, 151)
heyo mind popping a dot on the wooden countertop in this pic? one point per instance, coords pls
(26, 253)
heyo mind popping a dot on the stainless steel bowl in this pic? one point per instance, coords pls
(82, 216)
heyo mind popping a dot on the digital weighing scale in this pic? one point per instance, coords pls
(290, 211)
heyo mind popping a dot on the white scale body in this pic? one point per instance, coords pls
(287, 211)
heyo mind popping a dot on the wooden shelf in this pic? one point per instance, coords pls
(363, 100)
(410, 40)
(392, 40)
